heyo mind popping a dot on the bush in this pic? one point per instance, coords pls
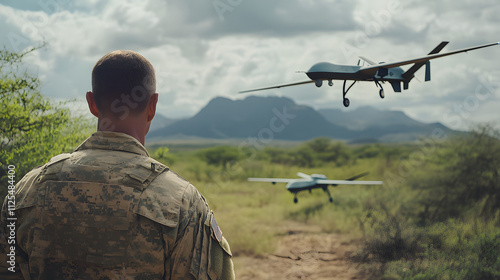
(162, 154)
(275, 155)
(443, 222)
(390, 237)
(313, 153)
(221, 155)
(461, 176)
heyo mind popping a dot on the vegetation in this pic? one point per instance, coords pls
(32, 128)
(444, 221)
(437, 216)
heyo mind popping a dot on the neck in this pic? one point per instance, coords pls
(133, 128)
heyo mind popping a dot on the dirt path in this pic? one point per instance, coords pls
(302, 254)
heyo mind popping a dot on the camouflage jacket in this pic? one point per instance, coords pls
(109, 211)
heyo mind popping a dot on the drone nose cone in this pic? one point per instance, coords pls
(321, 67)
(316, 72)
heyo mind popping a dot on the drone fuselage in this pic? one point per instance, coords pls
(329, 71)
(297, 185)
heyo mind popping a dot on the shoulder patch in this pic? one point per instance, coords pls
(215, 228)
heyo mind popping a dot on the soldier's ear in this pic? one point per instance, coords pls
(91, 103)
(152, 106)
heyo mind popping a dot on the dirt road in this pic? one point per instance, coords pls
(302, 254)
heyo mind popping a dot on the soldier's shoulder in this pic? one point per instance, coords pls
(27, 180)
(167, 197)
(26, 192)
(171, 186)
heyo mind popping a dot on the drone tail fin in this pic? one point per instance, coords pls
(396, 86)
(409, 74)
(357, 176)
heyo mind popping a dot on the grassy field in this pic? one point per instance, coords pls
(437, 216)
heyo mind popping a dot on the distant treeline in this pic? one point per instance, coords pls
(313, 153)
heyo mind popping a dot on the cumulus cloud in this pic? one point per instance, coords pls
(203, 49)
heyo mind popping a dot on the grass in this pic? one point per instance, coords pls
(254, 215)
(430, 220)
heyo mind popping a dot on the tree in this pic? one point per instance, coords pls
(221, 155)
(32, 128)
(320, 145)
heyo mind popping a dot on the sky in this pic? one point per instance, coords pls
(207, 48)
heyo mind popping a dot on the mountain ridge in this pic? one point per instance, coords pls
(268, 118)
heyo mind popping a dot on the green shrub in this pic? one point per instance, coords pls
(443, 222)
(221, 155)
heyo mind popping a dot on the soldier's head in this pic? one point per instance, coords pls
(123, 93)
(123, 83)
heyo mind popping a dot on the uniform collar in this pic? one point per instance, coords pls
(117, 141)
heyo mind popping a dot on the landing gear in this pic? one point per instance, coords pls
(346, 100)
(328, 192)
(319, 83)
(330, 82)
(295, 200)
(381, 91)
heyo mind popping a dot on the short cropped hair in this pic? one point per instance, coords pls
(123, 83)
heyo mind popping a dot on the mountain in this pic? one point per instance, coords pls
(268, 118)
(365, 117)
(265, 118)
(385, 126)
(160, 121)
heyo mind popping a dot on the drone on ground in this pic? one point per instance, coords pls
(314, 181)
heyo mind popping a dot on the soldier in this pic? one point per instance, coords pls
(108, 210)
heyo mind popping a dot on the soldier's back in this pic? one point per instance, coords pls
(94, 214)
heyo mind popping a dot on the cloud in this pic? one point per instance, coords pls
(286, 18)
(201, 50)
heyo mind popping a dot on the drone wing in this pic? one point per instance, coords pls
(280, 86)
(272, 180)
(370, 62)
(372, 69)
(347, 182)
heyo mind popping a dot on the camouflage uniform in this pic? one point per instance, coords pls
(109, 211)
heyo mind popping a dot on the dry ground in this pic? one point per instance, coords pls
(302, 253)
